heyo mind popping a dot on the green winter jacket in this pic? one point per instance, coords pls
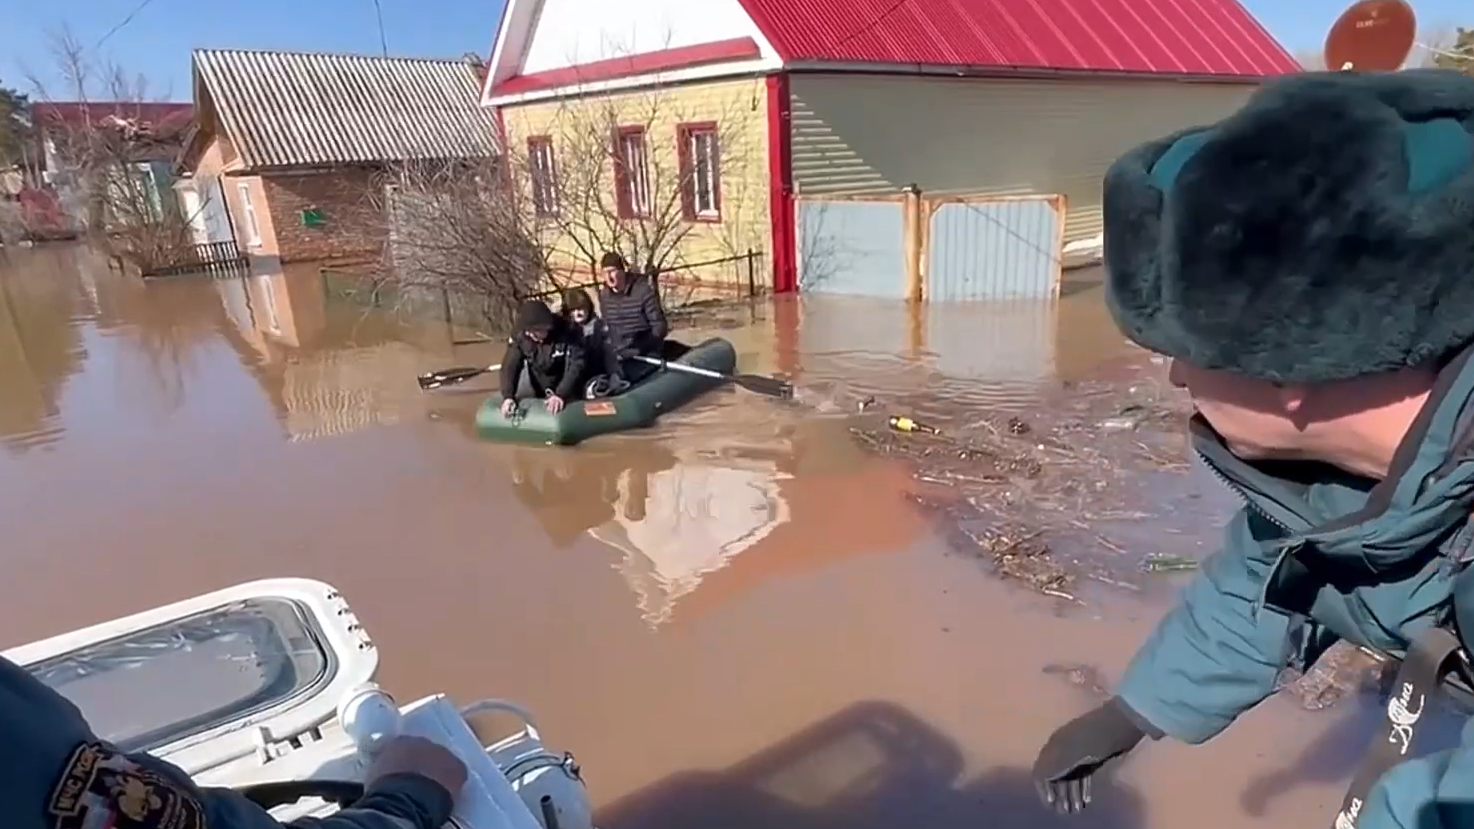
(1314, 556)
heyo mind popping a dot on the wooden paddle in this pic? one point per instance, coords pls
(768, 386)
(451, 376)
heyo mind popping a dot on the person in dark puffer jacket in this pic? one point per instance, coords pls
(632, 310)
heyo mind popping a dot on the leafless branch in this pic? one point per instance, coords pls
(107, 156)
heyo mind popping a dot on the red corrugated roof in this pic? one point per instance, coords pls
(1176, 37)
(78, 113)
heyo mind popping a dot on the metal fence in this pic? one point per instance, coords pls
(730, 276)
(207, 257)
(684, 283)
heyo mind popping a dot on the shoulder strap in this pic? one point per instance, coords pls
(1428, 660)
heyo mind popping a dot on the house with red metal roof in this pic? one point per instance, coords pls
(939, 149)
(64, 136)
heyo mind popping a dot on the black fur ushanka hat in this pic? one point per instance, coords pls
(1324, 231)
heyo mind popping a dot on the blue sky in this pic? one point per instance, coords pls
(157, 41)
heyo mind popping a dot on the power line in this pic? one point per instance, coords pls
(124, 22)
(383, 43)
(873, 23)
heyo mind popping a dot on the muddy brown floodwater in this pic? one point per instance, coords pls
(737, 619)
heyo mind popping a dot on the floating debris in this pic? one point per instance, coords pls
(1080, 675)
(906, 424)
(1034, 493)
(1159, 563)
(1343, 671)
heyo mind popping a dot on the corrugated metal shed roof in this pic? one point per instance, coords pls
(1178, 37)
(283, 109)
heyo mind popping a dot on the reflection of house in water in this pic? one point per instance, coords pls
(696, 531)
(40, 344)
(327, 370)
(695, 517)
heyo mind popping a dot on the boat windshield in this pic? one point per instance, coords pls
(162, 684)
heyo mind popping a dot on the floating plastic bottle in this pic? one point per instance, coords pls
(906, 424)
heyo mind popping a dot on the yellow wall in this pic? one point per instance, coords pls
(860, 134)
(740, 110)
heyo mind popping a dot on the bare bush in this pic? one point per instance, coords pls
(457, 233)
(639, 173)
(635, 172)
(111, 155)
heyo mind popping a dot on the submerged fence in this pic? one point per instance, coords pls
(682, 284)
(207, 257)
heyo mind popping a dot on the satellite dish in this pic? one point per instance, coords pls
(1372, 36)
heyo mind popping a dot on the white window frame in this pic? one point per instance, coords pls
(709, 163)
(253, 226)
(543, 166)
(634, 155)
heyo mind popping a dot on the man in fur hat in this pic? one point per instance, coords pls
(1308, 265)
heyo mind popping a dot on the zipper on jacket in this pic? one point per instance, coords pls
(1252, 503)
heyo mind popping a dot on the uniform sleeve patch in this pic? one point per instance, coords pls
(101, 788)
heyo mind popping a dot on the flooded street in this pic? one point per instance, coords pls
(736, 619)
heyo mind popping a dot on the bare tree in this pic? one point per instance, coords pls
(636, 172)
(1449, 49)
(642, 173)
(456, 235)
(111, 157)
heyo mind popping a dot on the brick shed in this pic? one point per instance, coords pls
(289, 149)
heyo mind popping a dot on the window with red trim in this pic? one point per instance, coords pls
(544, 172)
(701, 172)
(631, 173)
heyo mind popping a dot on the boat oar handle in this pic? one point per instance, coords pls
(769, 386)
(451, 376)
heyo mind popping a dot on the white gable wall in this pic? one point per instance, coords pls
(573, 32)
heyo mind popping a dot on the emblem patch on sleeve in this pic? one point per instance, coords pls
(103, 789)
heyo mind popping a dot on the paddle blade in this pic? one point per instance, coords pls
(448, 377)
(768, 386)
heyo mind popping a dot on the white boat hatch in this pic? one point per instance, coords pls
(253, 669)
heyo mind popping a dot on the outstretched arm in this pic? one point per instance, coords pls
(1217, 654)
(511, 371)
(70, 778)
(398, 801)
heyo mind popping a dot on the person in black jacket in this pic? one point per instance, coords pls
(593, 334)
(552, 356)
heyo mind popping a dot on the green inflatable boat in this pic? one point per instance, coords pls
(663, 391)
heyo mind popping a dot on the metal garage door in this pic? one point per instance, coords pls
(851, 247)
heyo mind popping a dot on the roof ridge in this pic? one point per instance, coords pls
(320, 54)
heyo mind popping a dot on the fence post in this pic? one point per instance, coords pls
(914, 232)
(751, 274)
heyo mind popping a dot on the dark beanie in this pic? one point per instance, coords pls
(1322, 232)
(534, 315)
(611, 260)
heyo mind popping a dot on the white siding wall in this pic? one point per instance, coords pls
(875, 133)
(572, 32)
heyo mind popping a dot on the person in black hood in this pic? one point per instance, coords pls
(552, 356)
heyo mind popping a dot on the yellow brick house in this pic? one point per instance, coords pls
(938, 149)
